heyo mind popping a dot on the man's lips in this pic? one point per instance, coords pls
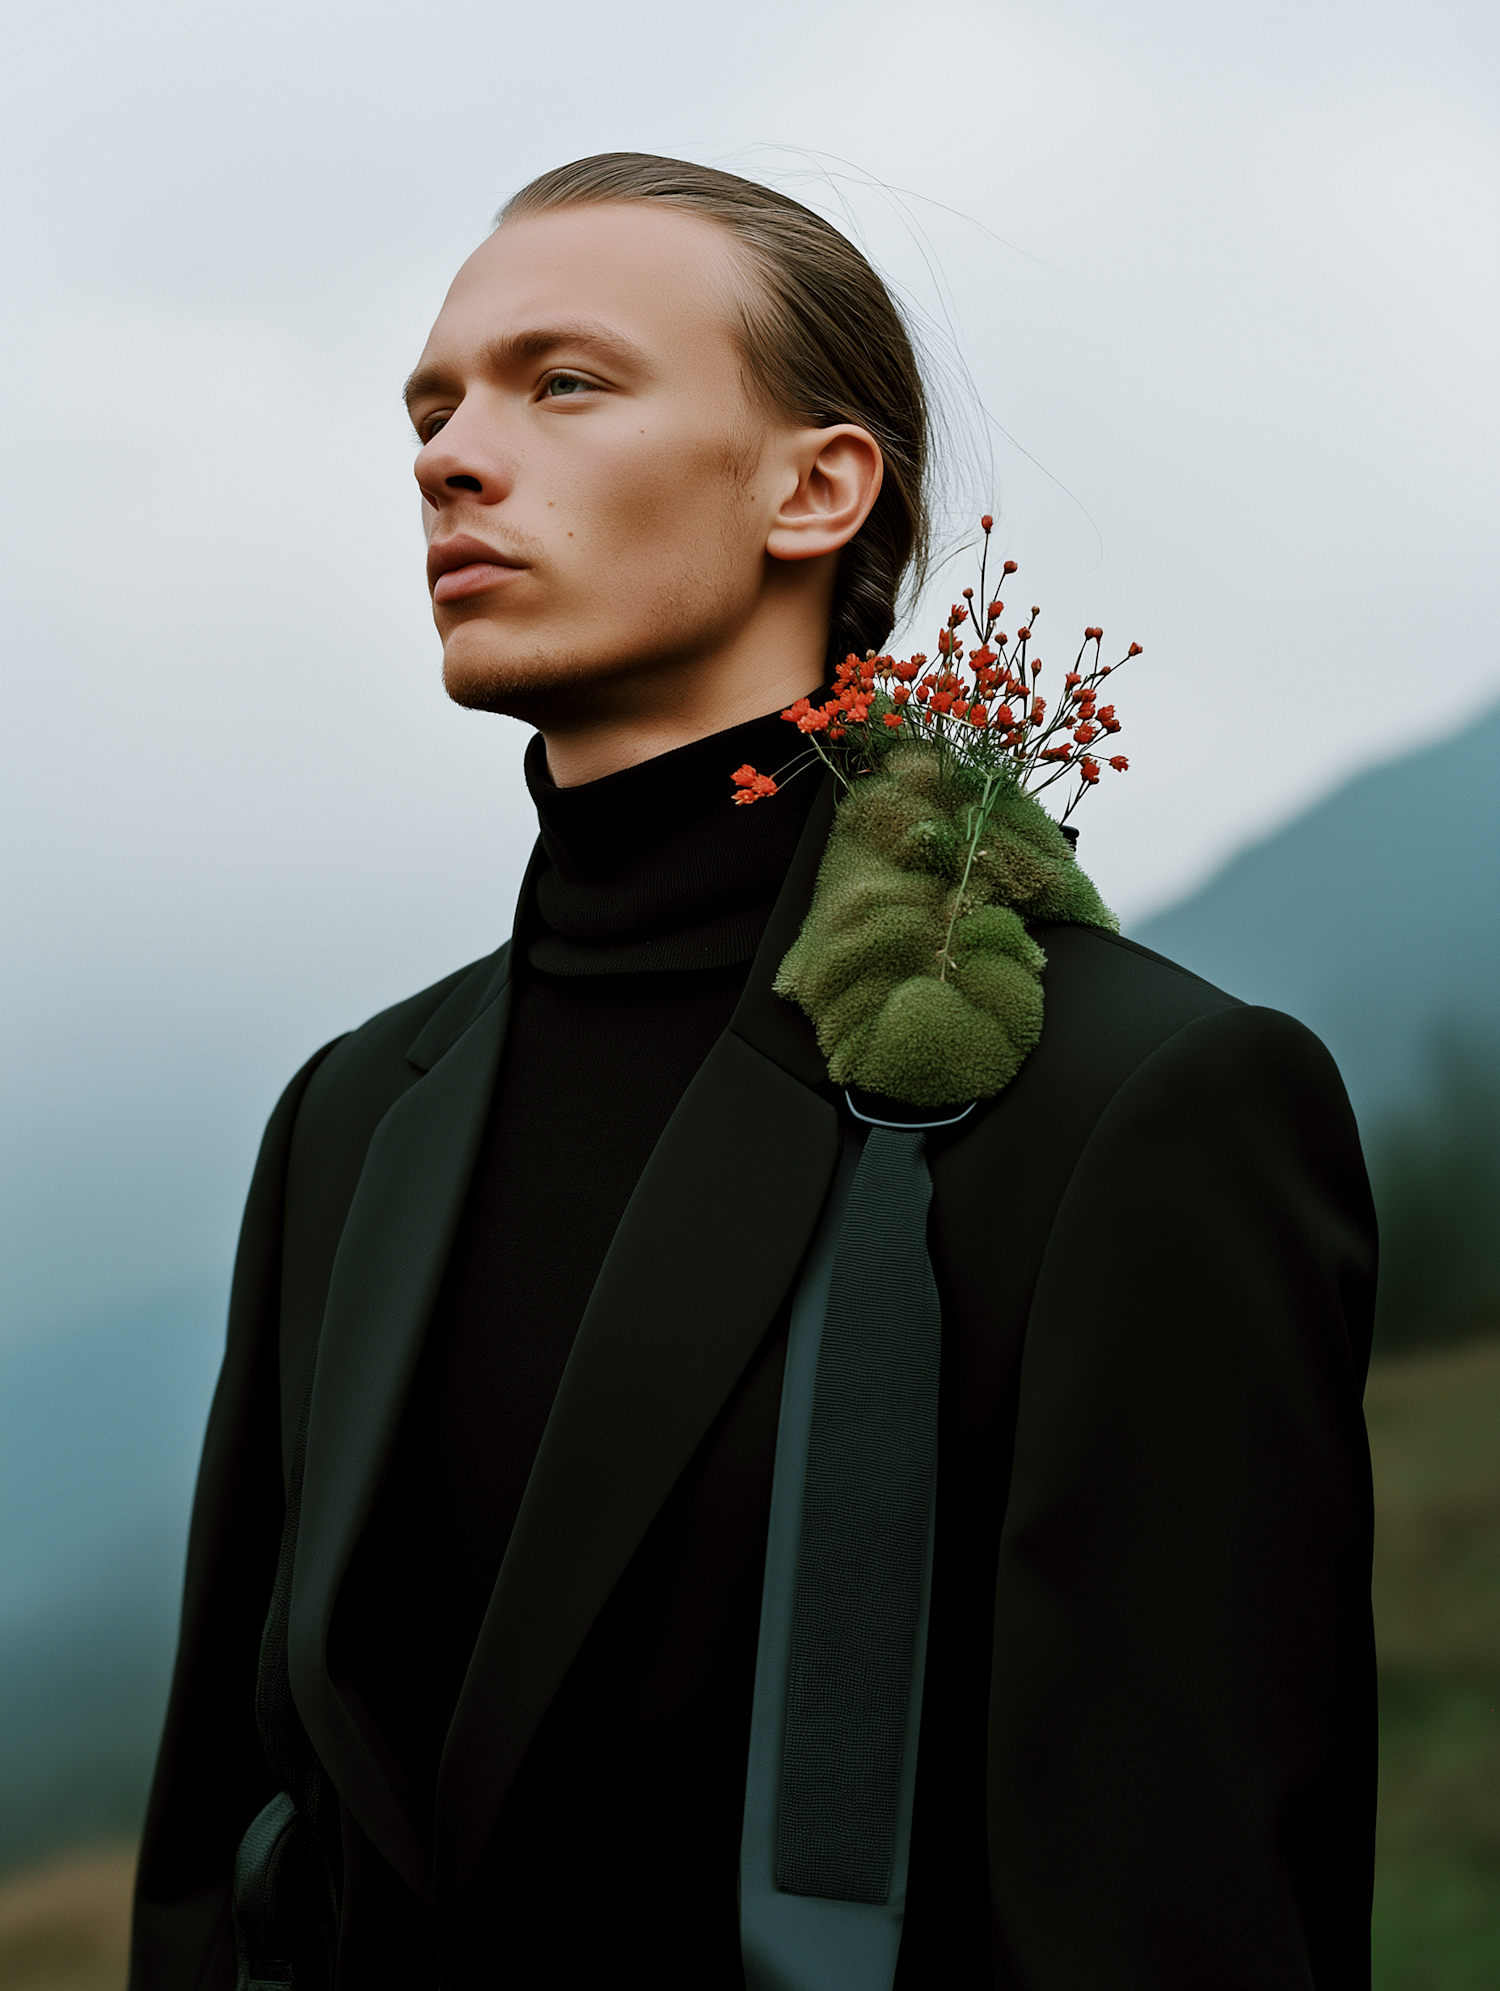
(457, 568)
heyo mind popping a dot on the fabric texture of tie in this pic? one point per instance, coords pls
(843, 1634)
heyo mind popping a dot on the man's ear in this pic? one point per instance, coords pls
(838, 473)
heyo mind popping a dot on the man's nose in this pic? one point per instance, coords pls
(460, 461)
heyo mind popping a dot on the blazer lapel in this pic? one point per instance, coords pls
(708, 1248)
(390, 1264)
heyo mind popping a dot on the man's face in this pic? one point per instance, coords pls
(591, 456)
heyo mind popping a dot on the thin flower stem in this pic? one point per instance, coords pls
(980, 819)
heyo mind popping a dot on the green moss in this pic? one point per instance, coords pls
(914, 963)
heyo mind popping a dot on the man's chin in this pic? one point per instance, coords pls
(520, 686)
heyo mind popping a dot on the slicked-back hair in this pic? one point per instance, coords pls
(823, 342)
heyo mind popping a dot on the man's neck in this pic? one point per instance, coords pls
(586, 744)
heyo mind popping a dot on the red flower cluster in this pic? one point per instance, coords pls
(750, 785)
(983, 706)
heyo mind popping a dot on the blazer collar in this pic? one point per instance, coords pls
(386, 1275)
(385, 1280)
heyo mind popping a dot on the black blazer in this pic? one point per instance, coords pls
(1155, 1253)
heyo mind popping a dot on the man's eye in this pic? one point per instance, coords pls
(562, 384)
(430, 427)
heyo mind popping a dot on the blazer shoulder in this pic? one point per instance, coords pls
(363, 1074)
(1110, 1003)
(384, 1054)
(1252, 1054)
(1123, 969)
(348, 1095)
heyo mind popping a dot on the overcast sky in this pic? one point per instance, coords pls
(1214, 286)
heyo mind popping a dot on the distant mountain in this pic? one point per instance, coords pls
(1375, 917)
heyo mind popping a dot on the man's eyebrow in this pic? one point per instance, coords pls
(499, 353)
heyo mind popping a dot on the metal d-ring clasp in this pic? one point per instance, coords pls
(903, 1126)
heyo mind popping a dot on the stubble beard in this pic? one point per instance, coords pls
(547, 683)
(533, 686)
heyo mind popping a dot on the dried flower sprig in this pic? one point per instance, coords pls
(982, 709)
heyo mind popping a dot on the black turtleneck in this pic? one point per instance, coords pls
(635, 938)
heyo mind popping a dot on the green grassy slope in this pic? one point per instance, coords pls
(1435, 1438)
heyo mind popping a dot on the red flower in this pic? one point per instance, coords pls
(1085, 733)
(986, 524)
(906, 671)
(1010, 567)
(751, 786)
(1004, 716)
(894, 719)
(901, 694)
(1134, 650)
(1089, 769)
(1119, 763)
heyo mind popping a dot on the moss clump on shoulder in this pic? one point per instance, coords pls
(914, 964)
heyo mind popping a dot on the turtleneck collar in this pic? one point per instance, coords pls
(654, 869)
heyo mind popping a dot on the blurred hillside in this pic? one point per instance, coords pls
(1375, 917)
(1435, 1441)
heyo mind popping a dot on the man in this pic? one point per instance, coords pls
(472, 1674)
